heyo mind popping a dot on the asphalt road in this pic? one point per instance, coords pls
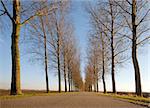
(70, 100)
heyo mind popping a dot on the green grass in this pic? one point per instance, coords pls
(132, 99)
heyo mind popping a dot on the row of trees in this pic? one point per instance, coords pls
(117, 27)
(50, 37)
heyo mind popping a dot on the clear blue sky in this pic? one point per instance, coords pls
(32, 74)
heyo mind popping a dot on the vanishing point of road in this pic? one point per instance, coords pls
(68, 100)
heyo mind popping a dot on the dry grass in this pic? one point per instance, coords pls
(5, 94)
(131, 98)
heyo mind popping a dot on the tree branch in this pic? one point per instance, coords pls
(36, 14)
(98, 20)
(119, 62)
(129, 2)
(125, 36)
(138, 35)
(30, 18)
(122, 8)
(121, 52)
(127, 22)
(6, 11)
(143, 17)
(143, 40)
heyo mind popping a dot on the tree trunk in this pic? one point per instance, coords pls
(91, 88)
(97, 85)
(65, 73)
(94, 77)
(58, 63)
(103, 64)
(71, 81)
(45, 54)
(94, 86)
(113, 66)
(46, 70)
(134, 53)
(58, 57)
(15, 81)
(69, 78)
(112, 51)
(103, 74)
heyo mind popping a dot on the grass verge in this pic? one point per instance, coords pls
(132, 99)
(33, 94)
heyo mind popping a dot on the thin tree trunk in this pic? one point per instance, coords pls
(58, 61)
(103, 64)
(58, 58)
(71, 81)
(15, 81)
(91, 88)
(103, 74)
(46, 70)
(134, 53)
(97, 85)
(69, 78)
(94, 78)
(94, 85)
(45, 54)
(104, 85)
(113, 66)
(112, 51)
(65, 73)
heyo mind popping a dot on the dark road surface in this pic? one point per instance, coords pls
(70, 100)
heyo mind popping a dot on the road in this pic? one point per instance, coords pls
(69, 100)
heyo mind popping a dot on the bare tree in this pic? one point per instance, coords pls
(76, 76)
(58, 21)
(66, 46)
(88, 78)
(93, 66)
(39, 34)
(18, 20)
(103, 50)
(70, 57)
(136, 14)
(105, 18)
(64, 64)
